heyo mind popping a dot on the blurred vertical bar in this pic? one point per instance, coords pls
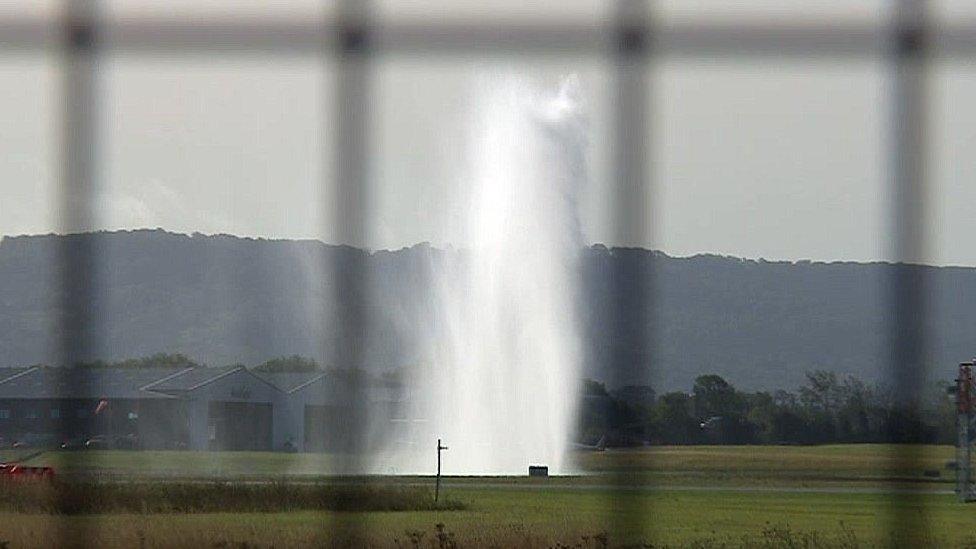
(907, 286)
(631, 277)
(76, 256)
(350, 209)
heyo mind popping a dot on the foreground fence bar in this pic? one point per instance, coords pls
(631, 279)
(907, 295)
(351, 211)
(629, 42)
(78, 256)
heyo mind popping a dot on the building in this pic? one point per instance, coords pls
(325, 414)
(198, 408)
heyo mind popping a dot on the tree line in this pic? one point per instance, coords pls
(826, 408)
(277, 365)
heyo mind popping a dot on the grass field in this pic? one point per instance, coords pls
(823, 496)
(532, 518)
(855, 464)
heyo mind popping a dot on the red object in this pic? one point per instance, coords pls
(964, 387)
(22, 472)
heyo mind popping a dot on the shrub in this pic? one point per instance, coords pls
(75, 498)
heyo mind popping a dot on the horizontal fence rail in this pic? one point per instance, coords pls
(627, 40)
(800, 40)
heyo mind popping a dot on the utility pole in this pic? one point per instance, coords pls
(437, 486)
(965, 405)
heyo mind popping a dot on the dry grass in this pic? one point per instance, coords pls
(840, 462)
(552, 513)
(316, 530)
(708, 465)
(83, 498)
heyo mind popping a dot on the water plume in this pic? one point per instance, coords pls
(500, 380)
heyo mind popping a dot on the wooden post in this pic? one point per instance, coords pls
(437, 485)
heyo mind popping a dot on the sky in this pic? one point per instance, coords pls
(779, 159)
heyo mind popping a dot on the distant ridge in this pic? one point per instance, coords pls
(223, 299)
(372, 251)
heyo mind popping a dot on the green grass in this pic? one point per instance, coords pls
(182, 463)
(524, 517)
(859, 464)
(674, 496)
(80, 498)
(776, 465)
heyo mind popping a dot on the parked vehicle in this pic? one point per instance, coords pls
(97, 442)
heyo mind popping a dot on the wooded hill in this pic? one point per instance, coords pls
(223, 299)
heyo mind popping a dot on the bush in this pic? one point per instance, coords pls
(76, 498)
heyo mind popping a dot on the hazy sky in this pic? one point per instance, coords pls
(756, 158)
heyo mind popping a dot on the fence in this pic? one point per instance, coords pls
(630, 41)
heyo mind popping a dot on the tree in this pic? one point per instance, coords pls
(288, 364)
(158, 360)
(820, 398)
(762, 411)
(639, 396)
(715, 397)
(595, 411)
(673, 420)
(821, 392)
(592, 388)
(853, 417)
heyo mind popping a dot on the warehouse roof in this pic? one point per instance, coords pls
(189, 379)
(169, 382)
(46, 382)
(343, 387)
(289, 381)
(7, 373)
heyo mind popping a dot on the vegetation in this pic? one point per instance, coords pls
(532, 518)
(178, 464)
(158, 360)
(224, 299)
(867, 466)
(82, 498)
(827, 409)
(288, 364)
(679, 496)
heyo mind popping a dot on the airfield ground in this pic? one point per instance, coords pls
(819, 496)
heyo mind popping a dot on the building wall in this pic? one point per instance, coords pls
(188, 419)
(145, 423)
(329, 416)
(240, 386)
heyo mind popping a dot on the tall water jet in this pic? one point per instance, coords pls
(504, 351)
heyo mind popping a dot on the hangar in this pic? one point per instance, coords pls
(198, 408)
(322, 411)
